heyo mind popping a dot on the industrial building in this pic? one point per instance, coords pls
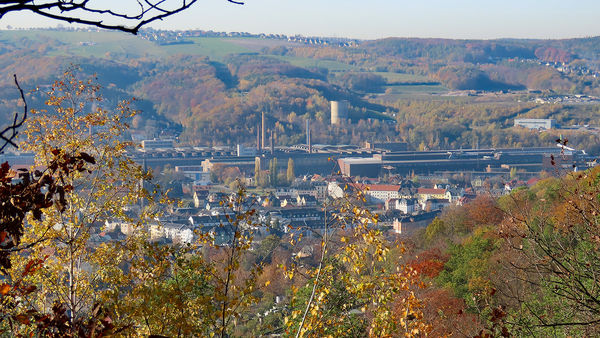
(387, 146)
(485, 160)
(157, 144)
(536, 123)
(195, 173)
(374, 162)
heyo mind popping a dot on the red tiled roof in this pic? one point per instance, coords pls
(533, 181)
(430, 191)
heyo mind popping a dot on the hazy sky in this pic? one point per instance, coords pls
(383, 18)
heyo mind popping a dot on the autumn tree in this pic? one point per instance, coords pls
(437, 228)
(290, 175)
(170, 292)
(352, 291)
(273, 172)
(204, 288)
(469, 266)
(78, 274)
(550, 279)
(73, 254)
(27, 194)
(257, 171)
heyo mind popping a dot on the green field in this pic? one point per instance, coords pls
(122, 45)
(114, 44)
(403, 78)
(416, 89)
(214, 48)
(333, 66)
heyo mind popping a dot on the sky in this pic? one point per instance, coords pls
(373, 19)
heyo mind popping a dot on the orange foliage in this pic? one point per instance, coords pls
(552, 54)
(447, 315)
(429, 263)
(483, 210)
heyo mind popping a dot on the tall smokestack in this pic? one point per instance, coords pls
(258, 136)
(263, 131)
(307, 132)
(309, 141)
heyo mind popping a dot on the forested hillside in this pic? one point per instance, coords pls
(212, 90)
(525, 263)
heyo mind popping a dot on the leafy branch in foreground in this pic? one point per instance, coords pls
(199, 288)
(31, 192)
(552, 260)
(358, 286)
(25, 191)
(78, 148)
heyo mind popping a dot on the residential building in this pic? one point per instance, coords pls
(431, 193)
(200, 196)
(380, 193)
(410, 223)
(306, 201)
(314, 188)
(405, 205)
(434, 204)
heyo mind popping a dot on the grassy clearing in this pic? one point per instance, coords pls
(403, 92)
(333, 66)
(107, 44)
(98, 44)
(403, 78)
(417, 89)
(67, 37)
(214, 48)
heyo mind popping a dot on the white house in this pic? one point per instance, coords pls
(407, 205)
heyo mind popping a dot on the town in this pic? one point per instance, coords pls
(291, 186)
(180, 168)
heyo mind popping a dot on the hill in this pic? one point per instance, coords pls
(210, 88)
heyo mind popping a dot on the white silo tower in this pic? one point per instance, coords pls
(339, 111)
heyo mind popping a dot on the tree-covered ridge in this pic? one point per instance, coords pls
(525, 263)
(210, 98)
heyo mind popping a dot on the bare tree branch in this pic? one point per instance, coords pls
(9, 133)
(86, 12)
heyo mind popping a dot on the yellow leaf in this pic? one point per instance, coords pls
(267, 283)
